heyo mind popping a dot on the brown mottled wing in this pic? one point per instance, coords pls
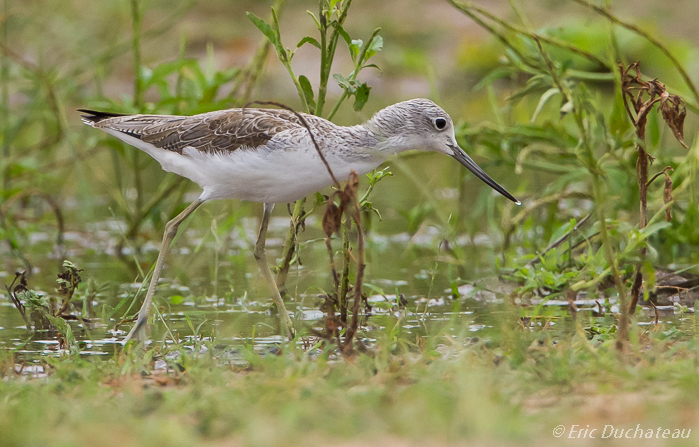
(214, 132)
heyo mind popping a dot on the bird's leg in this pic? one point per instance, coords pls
(138, 331)
(261, 258)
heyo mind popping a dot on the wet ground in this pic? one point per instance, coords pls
(235, 311)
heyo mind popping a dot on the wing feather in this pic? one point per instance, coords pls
(213, 132)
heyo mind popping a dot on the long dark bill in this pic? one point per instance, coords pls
(465, 160)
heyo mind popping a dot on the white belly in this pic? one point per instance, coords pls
(267, 176)
(258, 175)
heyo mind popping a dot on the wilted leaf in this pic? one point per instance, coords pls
(352, 184)
(332, 219)
(674, 112)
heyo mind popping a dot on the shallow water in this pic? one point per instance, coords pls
(211, 282)
(231, 324)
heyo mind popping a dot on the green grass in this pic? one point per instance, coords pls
(448, 390)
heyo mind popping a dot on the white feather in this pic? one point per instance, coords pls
(259, 175)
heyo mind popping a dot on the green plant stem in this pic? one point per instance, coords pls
(290, 245)
(498, 35)
(525, 32)
(249, 75)
(136, 19)
(337, 105)
(297, 84)
(122, 47)
(328, 53)
(596, 174)
(4, 107)
(631, 27)
(283, 56)
(353, 76)
(323, 54)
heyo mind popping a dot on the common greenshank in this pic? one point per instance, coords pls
(268, 156)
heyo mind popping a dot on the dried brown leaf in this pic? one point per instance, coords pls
(347, 195)
(674, 112)
(332, 219)
(352, 185)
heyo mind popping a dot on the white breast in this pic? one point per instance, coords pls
(269, 175)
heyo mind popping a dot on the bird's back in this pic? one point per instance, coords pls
(263, 155)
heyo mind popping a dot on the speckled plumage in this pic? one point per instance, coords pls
(266, 155)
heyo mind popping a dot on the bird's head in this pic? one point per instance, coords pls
(422, 125)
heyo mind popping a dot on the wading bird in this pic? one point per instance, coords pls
(268, 156)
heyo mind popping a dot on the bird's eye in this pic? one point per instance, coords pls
(440, 123)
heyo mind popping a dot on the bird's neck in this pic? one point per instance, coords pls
(385, 134)
(391, 136)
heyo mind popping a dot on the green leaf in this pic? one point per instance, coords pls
(535, 83)
(354, 47)
(271, 34)
(345, 36)
(307, 92)
(542, 102)
(159, 73)
(315, 19)
(176, 299)
(222, 77)
(654, 228)
(560, 231)
(371, 66)
(264, 27)
(374, 47)
(308, 39)
(361, 96)
(495, 75)
(343, 82)
(590, 75)
(199, 78)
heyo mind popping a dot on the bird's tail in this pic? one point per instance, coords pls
(93, 116)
